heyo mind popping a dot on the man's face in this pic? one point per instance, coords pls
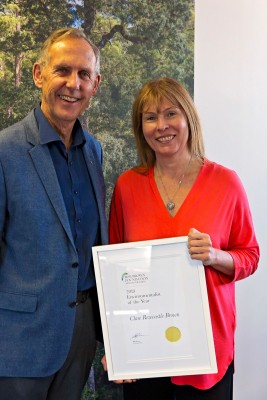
(68, 81)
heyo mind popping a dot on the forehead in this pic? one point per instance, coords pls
(72, 50)
(157, 105)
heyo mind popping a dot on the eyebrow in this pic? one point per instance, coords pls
(67, 66)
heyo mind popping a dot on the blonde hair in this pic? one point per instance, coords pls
(152, 93)
(64, 33)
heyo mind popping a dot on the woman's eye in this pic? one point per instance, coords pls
(149, 118)
(171, 114)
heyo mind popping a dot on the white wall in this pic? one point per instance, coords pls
(231, 97)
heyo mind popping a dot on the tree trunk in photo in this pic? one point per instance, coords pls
(89, 16)
(18, 57)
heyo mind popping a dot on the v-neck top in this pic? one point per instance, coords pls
(216, 204)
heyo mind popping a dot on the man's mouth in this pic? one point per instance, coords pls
(69, 99)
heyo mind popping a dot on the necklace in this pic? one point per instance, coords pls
(170, 204)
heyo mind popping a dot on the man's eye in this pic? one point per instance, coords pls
(84, 75)
(62, 70)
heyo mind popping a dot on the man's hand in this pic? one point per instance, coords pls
(104, 363)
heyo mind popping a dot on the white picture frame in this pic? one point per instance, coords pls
(154, 310)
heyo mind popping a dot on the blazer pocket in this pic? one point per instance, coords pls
(18, 302)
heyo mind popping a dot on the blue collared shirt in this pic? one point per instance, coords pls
(77, 192)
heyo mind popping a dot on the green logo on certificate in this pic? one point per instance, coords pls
(124, 275)
(173, 334)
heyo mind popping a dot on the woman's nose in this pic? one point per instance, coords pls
(162, 123)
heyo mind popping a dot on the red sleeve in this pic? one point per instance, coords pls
(243, 245)
(116, 230)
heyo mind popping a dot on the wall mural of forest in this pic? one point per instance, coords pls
(139, 40)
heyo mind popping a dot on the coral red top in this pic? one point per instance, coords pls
(217, 204)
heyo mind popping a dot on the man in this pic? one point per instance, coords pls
(51, 214)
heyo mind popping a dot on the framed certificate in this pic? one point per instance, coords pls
(154, 310)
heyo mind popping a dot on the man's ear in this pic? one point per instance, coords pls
(96, 84)
(37, 75)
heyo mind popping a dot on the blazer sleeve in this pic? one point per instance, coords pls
(2, 200)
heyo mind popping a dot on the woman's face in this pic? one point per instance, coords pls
(165, 129)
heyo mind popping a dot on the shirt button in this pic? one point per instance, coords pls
(78, 220)
(73, 304)
(75, 265)
(75, 191)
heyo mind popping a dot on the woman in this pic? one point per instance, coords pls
(176, 191)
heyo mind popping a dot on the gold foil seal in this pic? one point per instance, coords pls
(173, 334)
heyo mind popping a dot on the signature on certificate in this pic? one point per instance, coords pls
(137, 338)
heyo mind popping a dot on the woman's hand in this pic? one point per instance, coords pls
(104, 364)
(200, 248)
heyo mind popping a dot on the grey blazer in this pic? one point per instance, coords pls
(37, 253)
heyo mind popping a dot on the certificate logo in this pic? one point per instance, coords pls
(124, 276)
(134, 278)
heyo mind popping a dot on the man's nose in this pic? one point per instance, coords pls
(73, 81)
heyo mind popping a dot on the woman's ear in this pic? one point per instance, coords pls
(37, 75)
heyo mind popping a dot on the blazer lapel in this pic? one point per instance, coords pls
(95, 172)
(44, 166)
